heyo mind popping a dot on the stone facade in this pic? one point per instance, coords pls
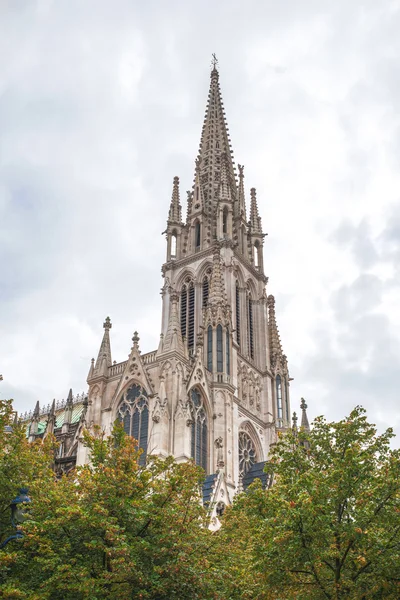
(217, 387)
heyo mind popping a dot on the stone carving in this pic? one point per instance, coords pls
(160, 411)
(220, 456)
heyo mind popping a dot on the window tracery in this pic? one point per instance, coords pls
(199, 442)
(133, 412)
(247, 453)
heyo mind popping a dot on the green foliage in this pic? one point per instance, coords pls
(111, 529)
(329, 527)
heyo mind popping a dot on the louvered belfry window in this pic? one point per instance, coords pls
(228, 354)
(133, 412)
(205, 291)
(188, 313)
(199, 442)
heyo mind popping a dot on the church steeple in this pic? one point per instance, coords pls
(215, 154)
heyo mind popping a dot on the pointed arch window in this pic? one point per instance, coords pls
(199, 442)
(250, 325)
(197, 235)
(247, 453)
(237, 312)
(228, 354)
(133, 412)
(279, 407)
(206, 289)
(209, 348)
(219, 349)
(173, 244)
(188, 313)
(225, 221)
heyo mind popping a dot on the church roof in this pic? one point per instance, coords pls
(257, 472)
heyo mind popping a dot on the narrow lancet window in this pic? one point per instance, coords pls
(228, 354)
(256, 256)
(209, 348)
(237, 311)
(279, 397)
(250, 325)
(188, 313)
(199, 442)
(197, 236)
(205, 291)
(173, 245)
(225, 221)
(219, 349)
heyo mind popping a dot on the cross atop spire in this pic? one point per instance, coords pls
(214, 62)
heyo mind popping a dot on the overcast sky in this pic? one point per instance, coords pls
(102, 103)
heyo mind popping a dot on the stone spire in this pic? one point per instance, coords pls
(105, 348)
(274, 339)
(304, 419)
(34, 424)
(68, 412)
(175, 209)
(224, 188)
(255, 219)
(173, 337)
(241, 195)
(51, 420)
(214, 144)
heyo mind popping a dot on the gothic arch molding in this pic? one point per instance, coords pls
(247, 427)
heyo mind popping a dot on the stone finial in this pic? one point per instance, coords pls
(105, 348)
(304, 419)
(241, 194)
(135, 339)
(294, 420)
(107, 323)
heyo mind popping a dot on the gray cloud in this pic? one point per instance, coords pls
(101, 104)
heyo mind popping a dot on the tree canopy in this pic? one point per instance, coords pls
(328, 528)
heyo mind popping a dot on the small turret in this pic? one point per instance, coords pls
(255, 219)
(174, 224)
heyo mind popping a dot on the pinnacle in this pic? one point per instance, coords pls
(255, 219)
(241, 195)
(105, 347)
(173, 337)
(37, 410)
(70, 398)
(304, 419)
(175, 209)
(274, 339)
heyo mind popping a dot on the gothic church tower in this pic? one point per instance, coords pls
(217, 388)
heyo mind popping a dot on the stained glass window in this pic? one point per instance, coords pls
(199, 443)
(247, 453)
(133, 412)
